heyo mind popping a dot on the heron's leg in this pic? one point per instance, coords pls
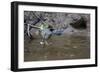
(42, 43)
(42, 40)
(42, 37)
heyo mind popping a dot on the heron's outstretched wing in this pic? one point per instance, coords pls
(28, 29)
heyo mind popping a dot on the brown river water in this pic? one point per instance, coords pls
(59, 48)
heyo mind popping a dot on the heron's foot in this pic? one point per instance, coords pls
(45, 43)
(41, 43)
